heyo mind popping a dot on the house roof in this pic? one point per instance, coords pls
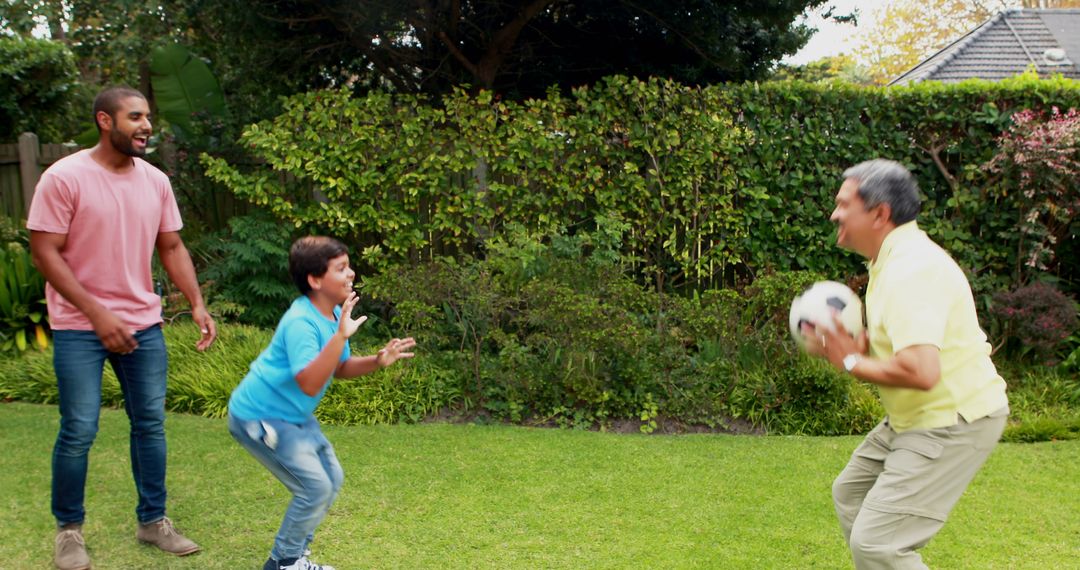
(1006, 45)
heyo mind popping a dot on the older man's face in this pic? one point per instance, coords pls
(853, 222)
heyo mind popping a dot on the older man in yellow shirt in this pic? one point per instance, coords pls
(945, 402)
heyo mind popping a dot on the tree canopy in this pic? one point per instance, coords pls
(514, 47)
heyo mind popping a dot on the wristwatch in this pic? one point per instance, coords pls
(850, 361)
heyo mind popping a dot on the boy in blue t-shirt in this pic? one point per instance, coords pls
(271, 412)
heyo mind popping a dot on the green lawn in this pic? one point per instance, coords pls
(463, 496)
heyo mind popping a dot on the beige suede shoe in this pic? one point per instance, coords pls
(164, 535)
(70, 553)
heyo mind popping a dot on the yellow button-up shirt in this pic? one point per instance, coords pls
(917, 295)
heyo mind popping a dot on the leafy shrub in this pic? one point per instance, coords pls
(552, 330)
(409, 393)
(1037, 319)
(770, 296)
(39, 90)
(22, 301)
(794, 394)
(12, 234)
(202, 382)
(249, 269)
(1039, 160)
(1042, 429)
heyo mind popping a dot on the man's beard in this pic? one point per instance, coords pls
(124, 144)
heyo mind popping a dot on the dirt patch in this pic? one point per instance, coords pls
(664, 426)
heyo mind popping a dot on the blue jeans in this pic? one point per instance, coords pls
(303, 460)
(79, 359)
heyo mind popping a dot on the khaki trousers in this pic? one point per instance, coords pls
(898, 489)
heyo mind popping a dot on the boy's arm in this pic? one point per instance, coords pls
(357, 366)
(315, 375)
(317, 372)
(389, 354)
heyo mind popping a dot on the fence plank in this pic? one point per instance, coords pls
(9, 153)
(10, 191)
(29, 165)
(53, 152)
(21, 165)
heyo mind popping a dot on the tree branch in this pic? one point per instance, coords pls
(504, 39)
(935, 153)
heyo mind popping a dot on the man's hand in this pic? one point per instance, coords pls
(346, 324)
(834, 345)
(392, 352)
(114, 334)
(206, 327)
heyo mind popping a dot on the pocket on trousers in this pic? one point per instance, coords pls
(912, 456)
(911, 460)
(263, 432)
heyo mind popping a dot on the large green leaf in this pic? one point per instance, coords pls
(183, 86)
(88, 137)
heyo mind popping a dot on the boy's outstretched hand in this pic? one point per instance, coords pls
(392, 352)
(346, 324)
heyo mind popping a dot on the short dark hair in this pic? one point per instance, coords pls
(108, 100)
(311, 255)
(887, 182)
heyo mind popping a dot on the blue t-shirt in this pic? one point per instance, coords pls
(270, 390)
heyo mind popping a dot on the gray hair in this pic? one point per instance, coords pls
(887, 182)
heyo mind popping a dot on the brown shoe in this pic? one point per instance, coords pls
(70, 553)
(164, 535)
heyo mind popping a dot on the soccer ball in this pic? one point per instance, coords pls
(816, 307)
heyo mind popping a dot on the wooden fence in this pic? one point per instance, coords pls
(21, 165)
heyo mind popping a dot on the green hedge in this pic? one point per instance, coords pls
(704, 186)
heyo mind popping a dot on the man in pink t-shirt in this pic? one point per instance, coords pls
(95, 221)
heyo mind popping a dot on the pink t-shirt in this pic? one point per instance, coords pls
(112, 222)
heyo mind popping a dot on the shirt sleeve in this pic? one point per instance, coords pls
(301, 344)
(170, 212)
(918, 310)
(52, 206)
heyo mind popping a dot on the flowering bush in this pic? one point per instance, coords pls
(1039, 156)
(1037, 318)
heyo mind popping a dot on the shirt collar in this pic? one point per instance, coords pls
(899, 234)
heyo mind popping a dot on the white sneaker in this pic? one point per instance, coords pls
(303, 563)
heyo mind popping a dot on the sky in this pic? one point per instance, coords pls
(832, 38)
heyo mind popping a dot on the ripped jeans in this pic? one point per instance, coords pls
(303, 460)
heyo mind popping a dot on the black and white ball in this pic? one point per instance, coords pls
(817, 306)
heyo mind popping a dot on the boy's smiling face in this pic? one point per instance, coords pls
(337, 282)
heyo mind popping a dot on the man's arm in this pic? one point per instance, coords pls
(45, 251)
(177, 262)
(917, 367)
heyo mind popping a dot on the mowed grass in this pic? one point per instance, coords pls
(464, 496)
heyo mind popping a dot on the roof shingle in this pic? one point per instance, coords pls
(1006, 45)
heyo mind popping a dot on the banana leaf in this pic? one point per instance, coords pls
(183, 87)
